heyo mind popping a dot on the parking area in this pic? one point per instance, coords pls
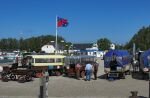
(67, 87)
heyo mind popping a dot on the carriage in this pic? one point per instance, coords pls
(54, 64)
(34, 66)
(71, 62)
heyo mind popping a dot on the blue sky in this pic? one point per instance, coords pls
(89, 20)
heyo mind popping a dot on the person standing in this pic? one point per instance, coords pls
(77, 70)
(95, 70)
(88, 70)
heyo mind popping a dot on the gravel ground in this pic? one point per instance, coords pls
(66, 87)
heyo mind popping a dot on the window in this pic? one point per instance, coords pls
(58, 60)
(44, 60)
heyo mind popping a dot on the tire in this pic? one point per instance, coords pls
(28, 78)
(5, 79)
(13, 77)
(21, 79)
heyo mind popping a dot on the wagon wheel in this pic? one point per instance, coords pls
(5, 78)
(13, 77)
(28, 78)
(21, 79)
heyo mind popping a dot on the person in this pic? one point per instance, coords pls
(113, 63)
(82, 70)
(95, 70)
(88, 70)
(77, 70)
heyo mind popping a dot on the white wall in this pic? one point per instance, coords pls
(48, 49)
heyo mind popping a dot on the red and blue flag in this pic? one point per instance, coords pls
(61, 22)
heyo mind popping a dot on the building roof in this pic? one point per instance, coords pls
(82, 46)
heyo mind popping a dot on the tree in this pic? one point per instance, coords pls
(103, 43)
(141, 39)
(29, 44)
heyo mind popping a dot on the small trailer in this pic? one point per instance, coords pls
(117, 63)
(70, 68)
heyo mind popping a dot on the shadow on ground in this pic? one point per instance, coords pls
(140, 76)
(138, 97)
(104, 76)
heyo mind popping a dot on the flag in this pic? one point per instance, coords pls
(61, 22)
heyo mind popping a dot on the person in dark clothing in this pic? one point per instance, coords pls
(113, 63)
(95, 70)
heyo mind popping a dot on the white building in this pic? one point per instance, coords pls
(96, 53)
(112, 46)
(48, 49)
(89, 49)
(93, 47)
(51, 49)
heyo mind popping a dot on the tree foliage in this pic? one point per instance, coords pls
(103, 43)
(29, 44)
(141, 39)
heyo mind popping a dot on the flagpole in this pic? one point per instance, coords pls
(56, 37)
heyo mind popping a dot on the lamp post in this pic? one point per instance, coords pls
(53, 45)
(149, 74)
(20, 40)
(62, 45)
(67, 48)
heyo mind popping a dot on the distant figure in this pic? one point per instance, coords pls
(95, 65)
(88, 70)
(77, 70)
(113, 63)
(82, 70)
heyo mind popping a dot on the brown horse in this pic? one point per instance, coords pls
(77, 70)
(80, 70)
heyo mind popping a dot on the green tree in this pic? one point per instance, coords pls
(141, 39)
(29, 44)
(103, 43)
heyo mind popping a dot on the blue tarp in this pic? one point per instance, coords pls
(122, 56)
(144, 58)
